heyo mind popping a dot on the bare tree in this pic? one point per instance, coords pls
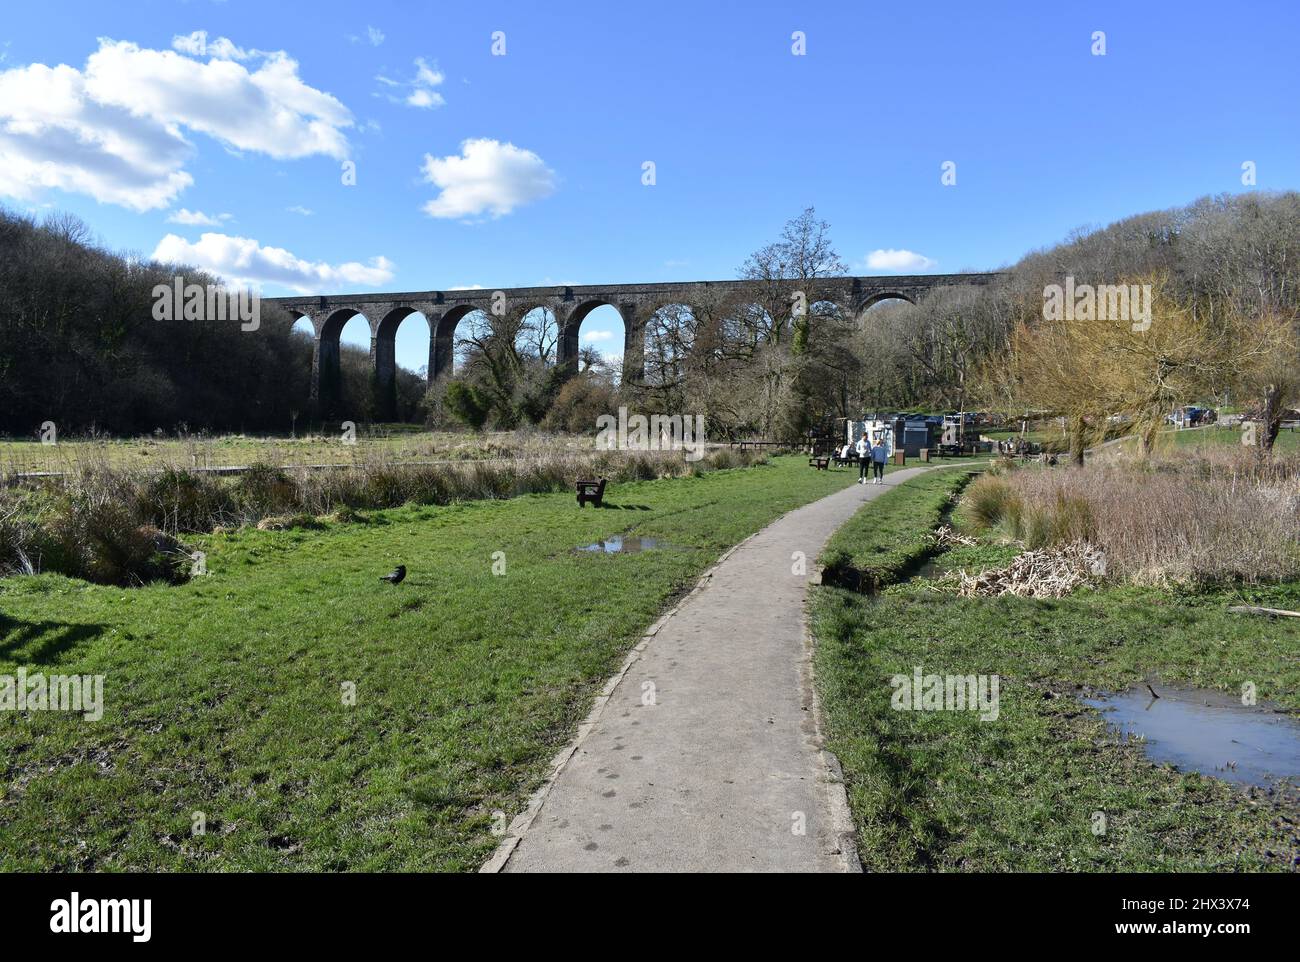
(794, 264)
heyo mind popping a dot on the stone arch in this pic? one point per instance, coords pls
(301, 322)
(567, 352)
(332, 324)
(326, 377)
(296, 315)
(875, 299)
(309, 330)
(384, 346)
(443, 348)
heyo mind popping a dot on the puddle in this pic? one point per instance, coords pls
(619, 544)
(931, 570)
(1207, 731)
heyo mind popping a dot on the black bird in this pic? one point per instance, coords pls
(395, 576)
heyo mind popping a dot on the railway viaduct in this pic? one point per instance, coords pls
(635, 303)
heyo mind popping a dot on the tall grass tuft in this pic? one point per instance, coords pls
(991, 501)
(1184, 517)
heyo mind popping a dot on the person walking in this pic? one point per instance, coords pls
(879, 455)
(863, 449)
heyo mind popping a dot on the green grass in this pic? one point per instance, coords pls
(891, 536)
(945, 791)
(224, 696)
(1287, 440)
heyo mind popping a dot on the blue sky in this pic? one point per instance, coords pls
(743, 133)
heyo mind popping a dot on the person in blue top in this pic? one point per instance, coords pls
(879, 455)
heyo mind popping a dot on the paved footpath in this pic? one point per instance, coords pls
(705, 756)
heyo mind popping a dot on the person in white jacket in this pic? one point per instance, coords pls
(863, 451)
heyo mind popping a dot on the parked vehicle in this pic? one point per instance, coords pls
(1189, 416)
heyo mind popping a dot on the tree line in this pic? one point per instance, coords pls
(79, 345)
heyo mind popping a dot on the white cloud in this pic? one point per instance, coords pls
(269, 110)
(242, 260)
(420, 92)
(195, 218)
(197, 44)
(194, 44)
(426, 76)
(299, 209)
(488, 176)
(116, 130)
(596, 336)
(54, 135)
(420, 97)
(374, 36)
(467, 287)
(898, 260)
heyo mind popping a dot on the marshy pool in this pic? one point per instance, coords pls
(1207, 731)
(620, 544)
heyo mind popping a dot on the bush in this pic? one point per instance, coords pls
(17, 535)
(101, 541)
(265, 489)
(468, 404)
(180, 500)
(579, 403)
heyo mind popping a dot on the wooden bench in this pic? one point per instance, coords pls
(821, 464)
(593, 491)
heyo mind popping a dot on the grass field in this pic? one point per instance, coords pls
(942, 790)
(1288, 440)
(398, 442)
(224, 695)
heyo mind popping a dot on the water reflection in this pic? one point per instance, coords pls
(1207, 731)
